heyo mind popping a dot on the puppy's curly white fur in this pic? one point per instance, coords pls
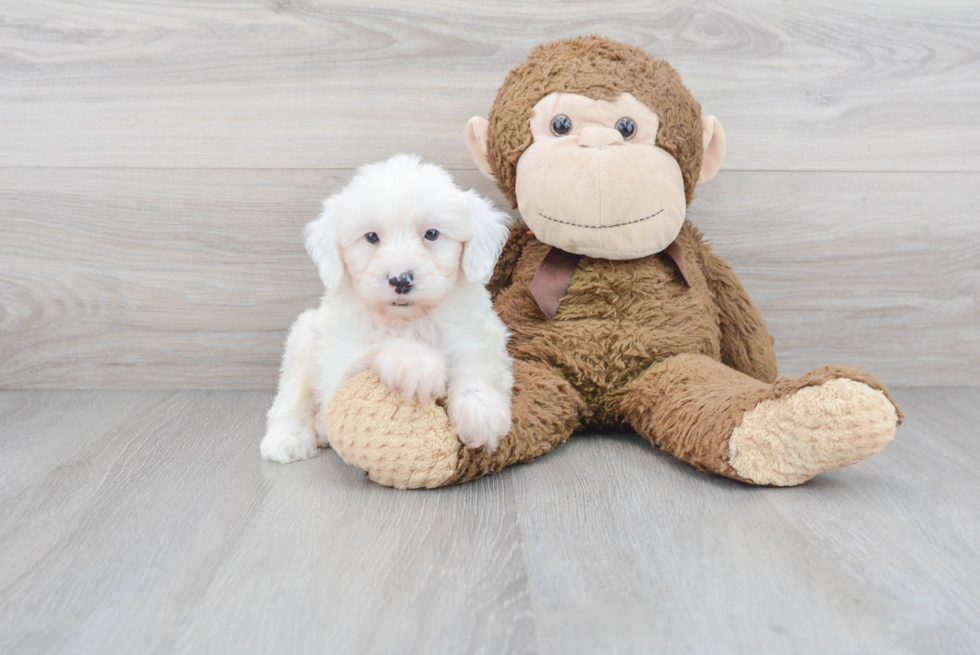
(390, 248)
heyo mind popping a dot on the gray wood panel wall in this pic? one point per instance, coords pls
(158, 161)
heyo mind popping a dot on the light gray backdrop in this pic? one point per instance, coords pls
(158, 161)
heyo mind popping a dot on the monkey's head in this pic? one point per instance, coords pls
(599, 146)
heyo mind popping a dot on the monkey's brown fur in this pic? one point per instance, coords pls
(632, 345)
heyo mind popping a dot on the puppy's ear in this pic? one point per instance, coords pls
(321, 243)
(490, 232)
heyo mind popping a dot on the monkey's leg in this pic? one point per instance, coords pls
(725, 422)
(409, 446)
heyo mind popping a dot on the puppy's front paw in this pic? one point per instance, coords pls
(412, 370)
(285, 443)
(481, 417)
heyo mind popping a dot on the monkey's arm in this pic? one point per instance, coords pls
(503, 274)
(745, 342)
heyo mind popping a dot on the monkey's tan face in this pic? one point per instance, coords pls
(595, 183)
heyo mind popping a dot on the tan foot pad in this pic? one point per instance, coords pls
(398, 444)
(789, 440)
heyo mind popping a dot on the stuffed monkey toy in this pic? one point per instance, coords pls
(620, 315)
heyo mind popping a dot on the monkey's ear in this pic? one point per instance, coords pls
(321, 244)
(476, 140)
(713, 137)
(491, 227)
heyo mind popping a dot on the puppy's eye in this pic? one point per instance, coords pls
(372, 237)
(561, 125)
(626, 127)
(432, 235)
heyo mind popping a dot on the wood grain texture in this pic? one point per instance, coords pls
(157, 163)
(153, 278)
(629, 550)
(173, 278)
(145, 522)
(826, 85)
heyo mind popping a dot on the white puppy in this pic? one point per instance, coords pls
(390, 247)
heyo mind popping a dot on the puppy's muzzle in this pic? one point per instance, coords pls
(402, 283)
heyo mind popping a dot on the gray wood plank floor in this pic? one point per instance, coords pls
(144, 522)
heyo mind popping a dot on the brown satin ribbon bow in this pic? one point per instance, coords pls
(555, 274)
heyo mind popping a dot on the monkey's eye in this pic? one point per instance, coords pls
(626, 127)
(372, 237)
(561, 125)
(432, 235)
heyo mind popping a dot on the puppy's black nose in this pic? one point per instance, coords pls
(402, 283)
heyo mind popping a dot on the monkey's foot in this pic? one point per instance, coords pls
(791, 438)
(398, 444)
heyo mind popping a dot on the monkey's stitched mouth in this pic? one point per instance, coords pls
(602, 227)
